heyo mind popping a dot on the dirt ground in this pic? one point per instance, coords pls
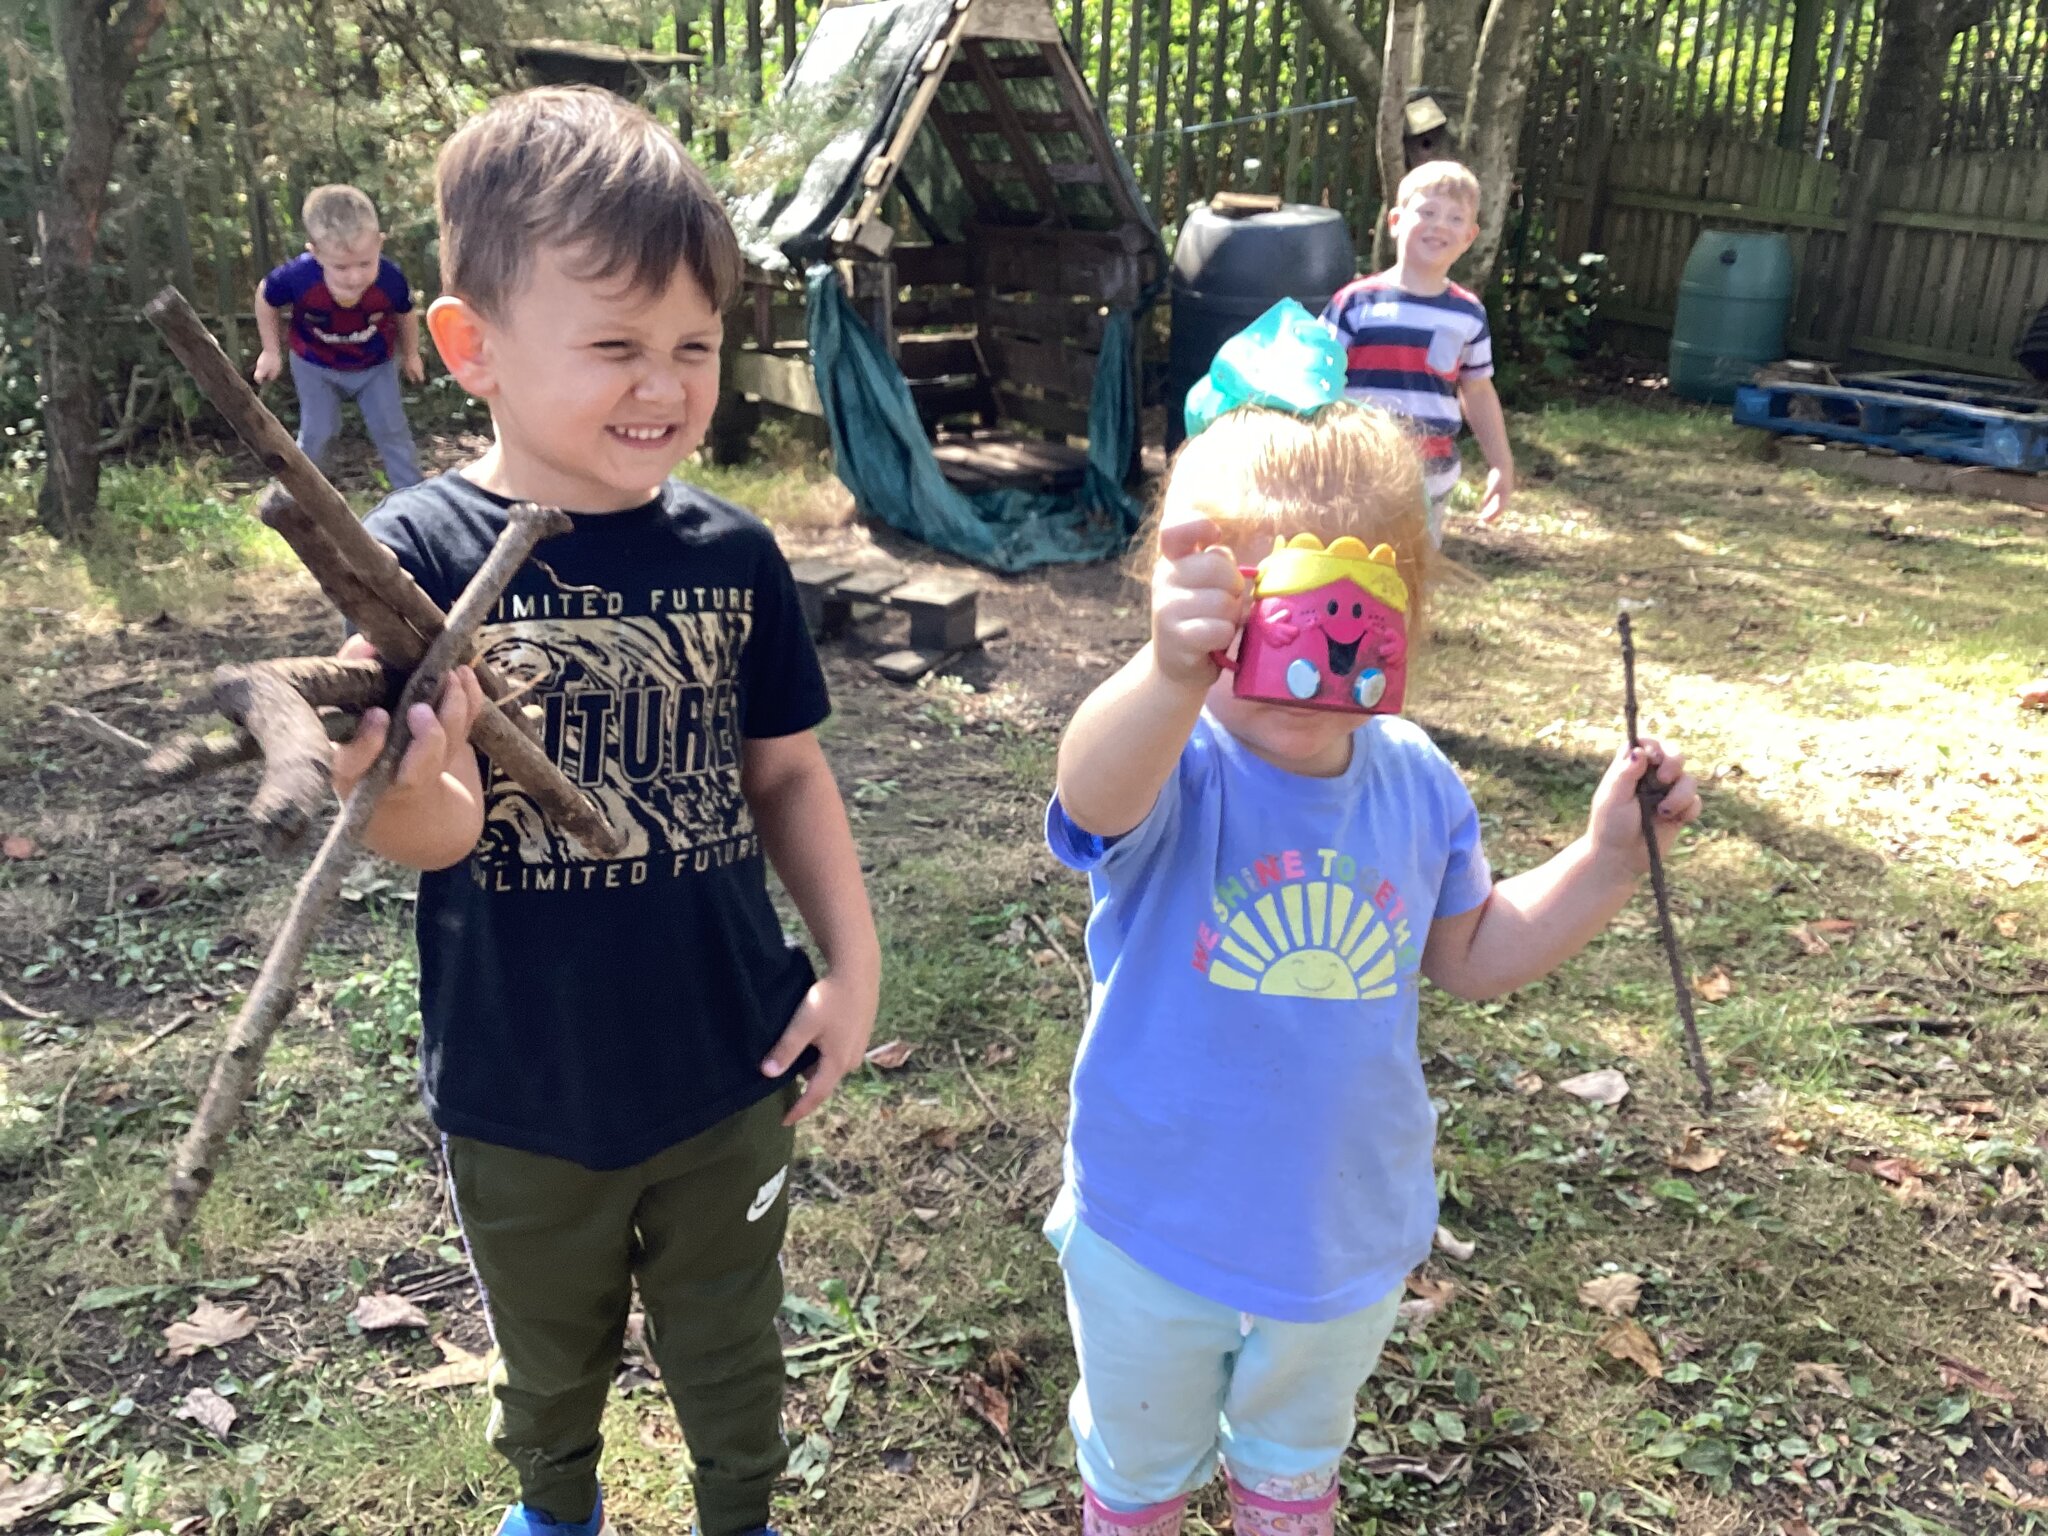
(1842, 1315)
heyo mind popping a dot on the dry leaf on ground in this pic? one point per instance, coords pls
(1716, 986)
(1431, 1296)
(1809, 942)
(1627, 1340)
(380, 1310)
(15, 846)
(1453, 1246)
(1791, 1143)
(2009, 1491)
(2007, 924)
(1606, 1086)
(1819, 1376)
(890, 1055)
(210, 1326)
(2020, 1289)
(1834, 927)
(209, 1410)
(986, 1403)
(1528, 1084)
(1693, 1155)
(2034, 695)
(1959, 1373)
(37, 1491)
(1898, 1170)
(458, 1368)
(1616, 1295)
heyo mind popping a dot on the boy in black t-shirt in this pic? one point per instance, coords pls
(610, 1046)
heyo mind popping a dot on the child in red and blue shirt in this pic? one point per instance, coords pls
(347, 301)
(1417, 344)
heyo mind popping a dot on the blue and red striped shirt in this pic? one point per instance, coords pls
(348, 337)
(1407, 353)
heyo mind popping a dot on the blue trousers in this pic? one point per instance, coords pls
(375, 392)
(1171, 1382)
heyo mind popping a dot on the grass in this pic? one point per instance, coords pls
(1827, 1351)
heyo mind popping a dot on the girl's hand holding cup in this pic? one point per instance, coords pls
(1198, 601)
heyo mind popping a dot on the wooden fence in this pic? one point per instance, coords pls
(1648, 120)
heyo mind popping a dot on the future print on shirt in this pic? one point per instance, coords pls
(639, 691)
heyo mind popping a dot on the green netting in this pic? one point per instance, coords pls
(882, 454)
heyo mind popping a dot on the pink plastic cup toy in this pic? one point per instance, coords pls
(1328, 628)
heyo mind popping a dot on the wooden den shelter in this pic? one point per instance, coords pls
(947, 261)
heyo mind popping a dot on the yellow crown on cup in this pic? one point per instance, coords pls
(1302, 563)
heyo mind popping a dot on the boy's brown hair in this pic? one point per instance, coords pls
(1445, 176)
(1348, 468)
(338, 212)
(577, 168)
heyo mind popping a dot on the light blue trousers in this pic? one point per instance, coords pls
(1171, 1382)
(375, 392)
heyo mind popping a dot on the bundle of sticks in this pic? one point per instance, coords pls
(286, 713)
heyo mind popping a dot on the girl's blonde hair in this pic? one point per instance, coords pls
(1348, 468)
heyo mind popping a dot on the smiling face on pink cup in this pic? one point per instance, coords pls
(1328, 629)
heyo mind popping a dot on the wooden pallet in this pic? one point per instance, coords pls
(944, 620)
(2009, 486)
(1935, 416)
(987, 461)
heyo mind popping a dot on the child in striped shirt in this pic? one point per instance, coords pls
(1417, 343)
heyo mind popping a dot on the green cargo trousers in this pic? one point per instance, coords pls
(558, 1249)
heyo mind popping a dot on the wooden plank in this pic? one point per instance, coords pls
(1022, 67)
(1032, 122)
(1028, 21)
(1060, 175)
(918, 265)
(1069, 262)
(935, 357)
(946, 124)
(1863, 201)
(1049, 366)
(1024, 150)
(1073, 91)
(2021, 490)
(938, 399)
(934, 74)
(1046, 415)
(947, 309)
(783, 381)
(1047, 319)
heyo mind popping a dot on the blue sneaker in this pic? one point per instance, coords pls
(521, 1521)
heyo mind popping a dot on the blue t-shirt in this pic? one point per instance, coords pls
(348, 337)
(1249, 1114)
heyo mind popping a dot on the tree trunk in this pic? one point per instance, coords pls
(1904, 103)
(1331, 22)
(1491, 135)
(1404, 26)
(1450, 39)
(99, 51)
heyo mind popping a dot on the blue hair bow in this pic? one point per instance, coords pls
(1286, 359)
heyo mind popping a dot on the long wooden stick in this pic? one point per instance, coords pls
(361, 576)
(277, 984)
(1648, 793)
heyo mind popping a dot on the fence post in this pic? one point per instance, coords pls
(1860, 210)
(1799, 72)
(1593, 162)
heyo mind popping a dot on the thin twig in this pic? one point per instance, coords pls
(867, 1270)
(1053, 943)
(1648, 793)
(25, 1011)
(99, 730)
(63, 1104)
(158, 1036)
(986, 1102)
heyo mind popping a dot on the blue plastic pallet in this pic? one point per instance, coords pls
(1925, 415)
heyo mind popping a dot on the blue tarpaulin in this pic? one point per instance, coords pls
(885, 458)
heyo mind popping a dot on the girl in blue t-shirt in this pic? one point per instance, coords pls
(1248, 1171)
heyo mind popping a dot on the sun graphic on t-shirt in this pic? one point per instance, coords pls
(1314, 939)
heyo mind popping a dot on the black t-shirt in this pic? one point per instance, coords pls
(602, 1010)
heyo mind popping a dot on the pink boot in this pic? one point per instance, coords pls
(1098, 1519)
(1253, 1514)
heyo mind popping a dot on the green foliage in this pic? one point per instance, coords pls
(1545, 315)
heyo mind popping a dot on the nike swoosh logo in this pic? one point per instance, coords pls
(765, 1197)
